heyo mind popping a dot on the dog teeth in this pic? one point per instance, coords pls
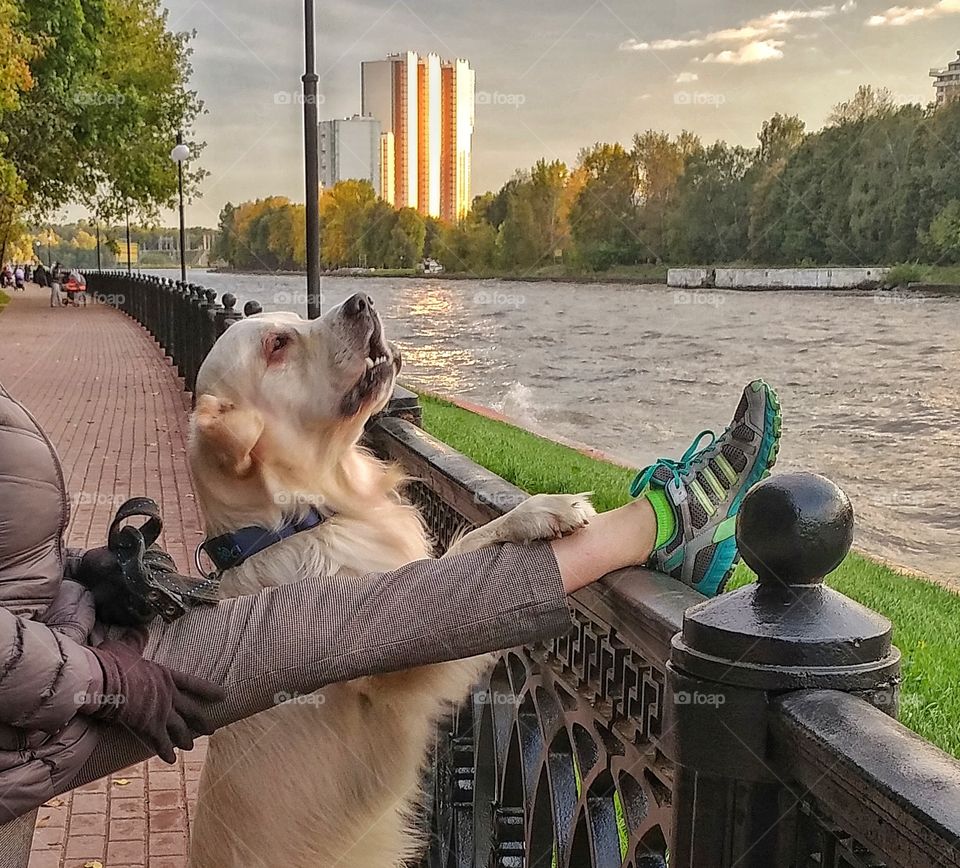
(370, 363)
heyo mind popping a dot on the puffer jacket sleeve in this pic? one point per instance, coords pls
(45, 677)
(34, 510)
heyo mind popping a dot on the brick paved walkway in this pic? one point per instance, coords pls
(116, 412)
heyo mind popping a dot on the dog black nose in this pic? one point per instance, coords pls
(358, 304)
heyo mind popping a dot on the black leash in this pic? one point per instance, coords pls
(149, 583)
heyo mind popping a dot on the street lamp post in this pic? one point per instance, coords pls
(311, 142)
(180, 153)
(98, 246)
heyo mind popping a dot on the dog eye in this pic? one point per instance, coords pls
(279, 342)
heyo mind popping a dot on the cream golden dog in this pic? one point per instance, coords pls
(332, 779)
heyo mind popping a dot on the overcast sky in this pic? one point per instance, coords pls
(552, 75)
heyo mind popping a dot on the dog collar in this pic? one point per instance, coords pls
(231, 549)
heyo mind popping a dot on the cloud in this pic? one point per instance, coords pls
(849, 6)
(686, 77)
(756, 33)
(752, 52)
(898, 16)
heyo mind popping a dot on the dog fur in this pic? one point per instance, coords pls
(330, 779)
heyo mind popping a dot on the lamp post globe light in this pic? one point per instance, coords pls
(179, 154)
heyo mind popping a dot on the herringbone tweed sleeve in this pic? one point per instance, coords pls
(295, 638)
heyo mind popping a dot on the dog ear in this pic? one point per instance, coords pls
(229, 432)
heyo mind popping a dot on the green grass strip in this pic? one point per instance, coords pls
(926, 616)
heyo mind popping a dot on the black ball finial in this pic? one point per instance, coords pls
(251, 308)
(229, 300)
(794, 529)
(211, 296)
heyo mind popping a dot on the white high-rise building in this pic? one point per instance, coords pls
(350, 149)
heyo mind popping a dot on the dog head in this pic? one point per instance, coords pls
(282, 401)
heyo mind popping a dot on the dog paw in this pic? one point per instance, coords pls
(548, 516)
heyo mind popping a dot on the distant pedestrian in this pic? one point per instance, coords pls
(40, 276)
(18, 278)
(55, 300)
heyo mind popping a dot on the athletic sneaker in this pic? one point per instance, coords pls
(696, 499)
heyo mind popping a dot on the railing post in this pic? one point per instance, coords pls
(731, 801)
(405, 405)
(209, 324)
(181, 300)
(133, 292)
(194, 335)
(226, 316)
(169, 323)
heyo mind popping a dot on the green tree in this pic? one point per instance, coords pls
(378, 222)
(660, 163)
(603, 219)
(779, 138)
(866, 104)
(467, 246)
(711, 218)
(108, 94)
(406, 239)
(945, 231)
(138, 100)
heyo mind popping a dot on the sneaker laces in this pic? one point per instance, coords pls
(678, 469)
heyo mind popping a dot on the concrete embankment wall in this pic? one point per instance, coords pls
(772, 278)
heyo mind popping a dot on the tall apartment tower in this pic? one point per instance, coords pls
(947, 82)
(459, 98)
(426, 111)
(350, 149)
(431, 132)
(390, 93)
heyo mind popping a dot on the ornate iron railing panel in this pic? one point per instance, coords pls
(556, 760)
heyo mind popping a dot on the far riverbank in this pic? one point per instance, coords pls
(922, 279)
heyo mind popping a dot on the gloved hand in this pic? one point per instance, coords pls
(99, 570)
(160, 705)
(71, 613)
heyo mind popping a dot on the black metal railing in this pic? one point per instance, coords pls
(754, 730)
(184, 318)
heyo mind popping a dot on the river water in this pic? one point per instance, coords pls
(870, 384)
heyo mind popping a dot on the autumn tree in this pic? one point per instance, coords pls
(342, 209)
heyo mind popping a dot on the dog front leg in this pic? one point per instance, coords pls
(541, 517)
